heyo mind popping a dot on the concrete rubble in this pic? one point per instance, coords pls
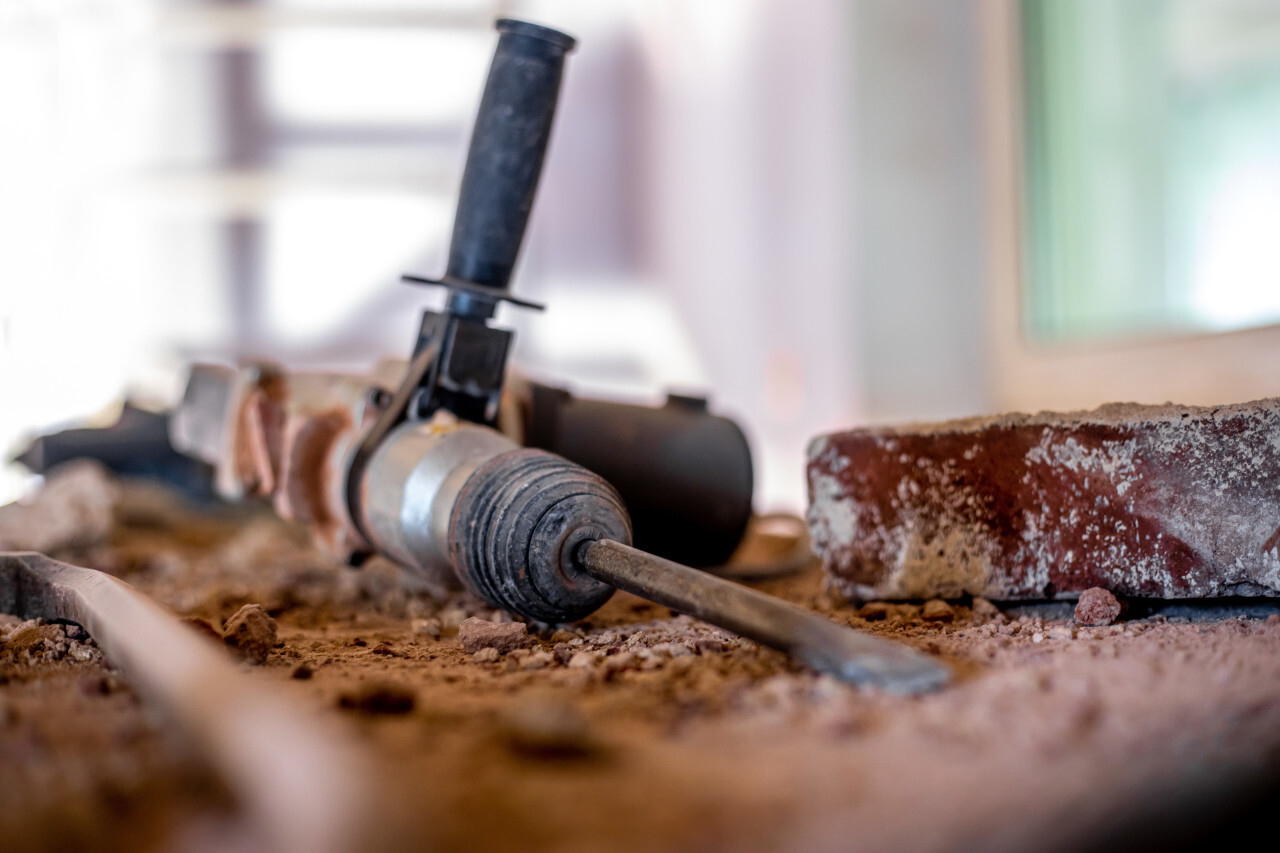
(251, 633)
(1097, 607)
(1151, 501)
(477, 634)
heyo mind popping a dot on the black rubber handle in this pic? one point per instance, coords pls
(505, 158)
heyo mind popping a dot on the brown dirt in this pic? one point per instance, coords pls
(640, 730)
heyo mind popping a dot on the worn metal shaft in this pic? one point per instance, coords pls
(826, 646)
(302, 783)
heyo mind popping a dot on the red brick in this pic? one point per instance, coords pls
(1161, 501)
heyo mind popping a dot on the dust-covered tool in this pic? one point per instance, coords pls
(420, 475)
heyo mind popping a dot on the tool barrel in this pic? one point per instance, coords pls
(516, 526)
(504, 161)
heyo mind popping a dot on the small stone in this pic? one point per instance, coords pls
(620, 662)
(430, 627)
(379, 698)
(30, 635)
(708, 646)
(452, 617)
(83, 653)
(937, 610)
(302, 672)
(537, 660)
(251, 633)
(583, 660)
(905, 613)
(563, 636)
(1097, 607)
(477, 634)
(874, 611)
(488, 655)
(984, 611)
(562, 652)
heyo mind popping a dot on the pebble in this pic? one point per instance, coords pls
(452, 617)
(477, 634)
(537, 660)
(84, 653)
(672, 650)
(874, 611)
(905, 613)
(1097, 607)
(489, 655)
(583, 660)
(620, 662)
(302, 672)
(251, 633)
(984, 611)
(937, 610)
(430, 627)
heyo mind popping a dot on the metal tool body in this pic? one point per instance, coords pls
(419, 475)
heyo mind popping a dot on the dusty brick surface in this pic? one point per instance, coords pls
(1160, 501)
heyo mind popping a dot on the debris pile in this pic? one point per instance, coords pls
(35, 641)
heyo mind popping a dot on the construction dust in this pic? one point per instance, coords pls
(637, 728)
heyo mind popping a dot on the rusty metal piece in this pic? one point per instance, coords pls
(301, 783)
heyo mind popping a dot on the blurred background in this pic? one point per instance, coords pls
(821, 213)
